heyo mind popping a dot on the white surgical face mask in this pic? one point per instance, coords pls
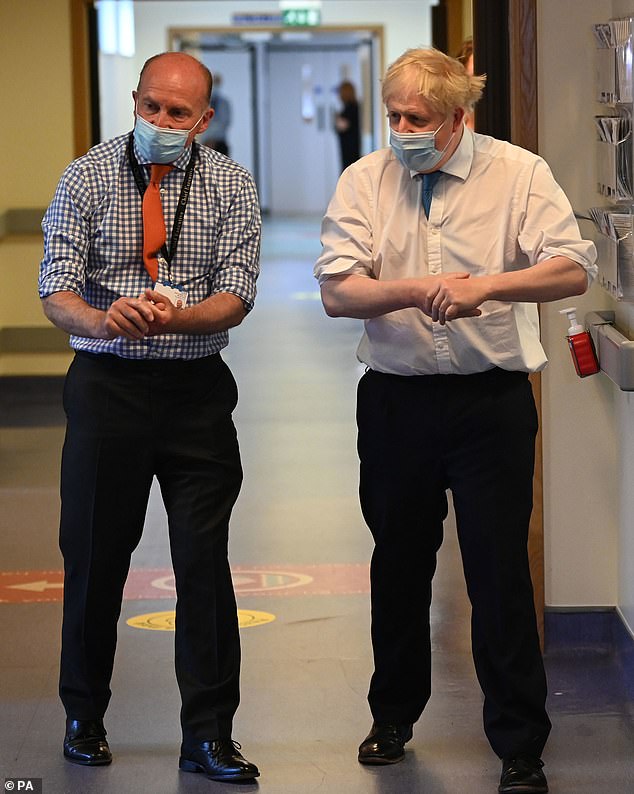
(417, 150)
(160, 144)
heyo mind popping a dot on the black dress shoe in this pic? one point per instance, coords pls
(385, 744)
(522, 775)
(85, 743)
(219, 760)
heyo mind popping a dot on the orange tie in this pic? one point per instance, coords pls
(153, 223)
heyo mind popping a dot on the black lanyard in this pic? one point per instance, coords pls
(139, 178)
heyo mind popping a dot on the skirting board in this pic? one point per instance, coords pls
(600, 627)
(590, 659)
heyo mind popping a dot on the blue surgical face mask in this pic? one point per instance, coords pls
(417, 150)
(159, 144)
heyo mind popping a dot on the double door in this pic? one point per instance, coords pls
(304, 158)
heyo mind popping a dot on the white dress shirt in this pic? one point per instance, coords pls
(495, 208)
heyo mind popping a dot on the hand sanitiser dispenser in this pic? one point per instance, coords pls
(582, 349)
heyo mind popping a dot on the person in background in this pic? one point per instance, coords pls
(347, 125)
(217, 137)
(443, 244)
(148, 394)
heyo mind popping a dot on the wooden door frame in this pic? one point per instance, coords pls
(524, 132)
(82, 75)
(505, 49)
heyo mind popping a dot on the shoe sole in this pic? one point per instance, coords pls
(523, 790)
(191, 766)
(82, 762)
(380, 761)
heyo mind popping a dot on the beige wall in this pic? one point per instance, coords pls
(37, 137)
(582, 436)
(36, 88)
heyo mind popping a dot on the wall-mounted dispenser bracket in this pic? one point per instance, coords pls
(614, 350)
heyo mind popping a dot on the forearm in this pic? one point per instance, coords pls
(364, 298)
(72, 314)
(550, 280)
(219, 312)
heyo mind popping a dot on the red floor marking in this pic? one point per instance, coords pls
(157, 583)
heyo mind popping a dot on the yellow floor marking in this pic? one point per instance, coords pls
(166, 621)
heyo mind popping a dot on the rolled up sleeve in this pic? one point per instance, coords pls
(238, 246)
(550, 227)
(346, 234)
(66, 238)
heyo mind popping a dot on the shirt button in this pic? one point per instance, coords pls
(434, 230)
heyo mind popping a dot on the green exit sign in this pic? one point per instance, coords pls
(301, 17)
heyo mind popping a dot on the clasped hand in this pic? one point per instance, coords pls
(135, 318)
(452, 296)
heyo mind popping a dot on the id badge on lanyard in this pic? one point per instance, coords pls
(174, 292)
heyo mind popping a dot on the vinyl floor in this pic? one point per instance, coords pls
(299, 552)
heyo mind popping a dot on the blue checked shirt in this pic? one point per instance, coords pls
(93, 239)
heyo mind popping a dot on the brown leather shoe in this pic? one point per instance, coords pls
(522, 775)
(219, 760)
(385, 744)
(85, 743)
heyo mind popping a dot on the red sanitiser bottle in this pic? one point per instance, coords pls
(581, 346)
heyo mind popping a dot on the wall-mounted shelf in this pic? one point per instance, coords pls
(614, 350)
(614, 41)
(615, 249)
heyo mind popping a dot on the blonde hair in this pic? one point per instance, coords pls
(441, 80)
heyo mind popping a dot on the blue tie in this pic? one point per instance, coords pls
(429, 180)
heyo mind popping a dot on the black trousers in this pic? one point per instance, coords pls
(126, 422)
(475, 435)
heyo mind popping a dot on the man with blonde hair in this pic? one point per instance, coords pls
(443, 244)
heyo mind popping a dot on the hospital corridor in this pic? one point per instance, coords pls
(489, 201)
(299, 552)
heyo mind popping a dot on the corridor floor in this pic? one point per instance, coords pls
(299, 552)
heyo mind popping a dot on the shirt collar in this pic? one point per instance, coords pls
(459, 164)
